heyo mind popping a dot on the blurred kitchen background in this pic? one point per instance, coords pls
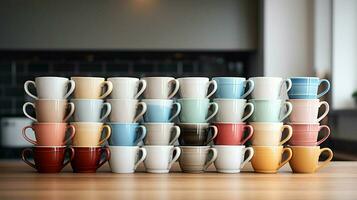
(180, 38)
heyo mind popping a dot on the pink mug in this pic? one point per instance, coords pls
(307, 110)
(307, 134)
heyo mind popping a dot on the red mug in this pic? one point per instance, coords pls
(232, 133)
(47, 159)
(307, 134)
(88, 159)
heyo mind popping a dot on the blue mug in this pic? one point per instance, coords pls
(233, 87)
(307, 87)
(126, 134)
(160, 110)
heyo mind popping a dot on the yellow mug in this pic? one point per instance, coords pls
(90, 133)
(91, 87)
(268, 159)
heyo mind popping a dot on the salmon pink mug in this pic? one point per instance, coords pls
(307, 134)
(232, 133)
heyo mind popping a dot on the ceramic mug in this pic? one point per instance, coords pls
(270, 134)
(160, 110)
(50, 87)
(307, 87)
(307, 134)
(90, 133)
(49, 134)
(196, 87)
(126, 87)
(160, 87)
(50, 110)
(232, 133)
(125, 159)
(161, 133)
(233, 87)
(269, 87)
(307, 110)
(90, 110)
(91, 87)
(48, 159)
(270, 110)
(88, 159)
(159, 159)
(268, 159)
(196, 159)
(126, 134)
(125, 110)
(230, 158)
(306, 158)
(232, 110)
(197, 134)
(196, 110)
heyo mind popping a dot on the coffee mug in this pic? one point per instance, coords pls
(197, 134)
(160, 87)
(159, 159)
(270, 110)
(268, 159)
(50, 87)
(307, 110)
(306, 158)
(196, 110)
(196, 159)
(49, 110)
(88, 159)
(49, 134)
(124, 110)
(161, 133)
(232, 133)
(196, 87)
(307, 134)
(233, 87)
(91, 87)
(126, 159)
(307, 87)
(48, 159)
(232, 110)
(269, 87)
(160, 110)
(126, 134)
(126, 87)
(90, 110)
(230, 158)
(270, 134)
(90, 133)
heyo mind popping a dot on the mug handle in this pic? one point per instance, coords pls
(250, 156)
(108, 110)
(250, 90)
(250, 112)
(26, 85)
(143, 156)
(142, 112)
(71, 89)
(178, 110)
(327, 134)
(73, 132)
(327, 109)
(214, 89)
(177, 86)
(71, 111)
(107, 156)
(71, 150)
(215, 132)
(109, 89)
(214, 157)
(108, 133)
(328, 85)
(177, 134)
(289, 84)
(24, 158)
(290, 108)
(177, 155)
(215, 111)
(142, 134)
(250, 134)
(25, 112)
(290, 134)
(290, 155)
(327, 161)
(25, 136)
(142, 89)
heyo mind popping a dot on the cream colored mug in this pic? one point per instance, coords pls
(91, 87)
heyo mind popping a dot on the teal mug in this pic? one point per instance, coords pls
(196, 110)
(270, 110)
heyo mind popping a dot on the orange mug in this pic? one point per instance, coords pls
(268, 159)
(90, 133)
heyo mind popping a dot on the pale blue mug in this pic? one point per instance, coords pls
(160, 110)
(196, 110)
(90, 110)
(233, 87)
(126, 134)
(270, 110)
(307, 87)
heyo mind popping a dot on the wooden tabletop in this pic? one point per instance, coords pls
(336, 181)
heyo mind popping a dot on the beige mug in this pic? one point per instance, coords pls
(49, 110)
(270, 133)
(90, 133)
(91, 87)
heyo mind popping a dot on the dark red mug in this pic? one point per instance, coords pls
(48, 159)
(307, 134)
(232, 133)
(88, 159)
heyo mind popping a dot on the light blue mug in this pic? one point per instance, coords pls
(270, 110)
(233, 87)
(126, 134)
(307, 87)
(160, 110)
(196, 110)
(90, 110)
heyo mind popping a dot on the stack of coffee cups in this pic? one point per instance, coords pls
(50, 123)
(161, 131)
(270, 110)
(304, 121)
(88, 121)
(127, 133)
(230, 122)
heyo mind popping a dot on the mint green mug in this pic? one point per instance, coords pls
(196, 110)
(270, 110)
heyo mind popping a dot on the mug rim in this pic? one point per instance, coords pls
(58, 77)
(227, 77)
(37, 146)
(226, 123)
(92, 147)
(162, 100)
(194, 77)
(47, 123)
(308, 124)
(158, 146)
(83, 123)
(64, 100)
(264, 123)
(228, 146)
(124, 77)
(127, 99)
(313, 100)
(122, 123)
(304, 77)
(182, 99)
(304, 147)
(158, 77)
(124, 147)
(275, 147)
(187, 123)
(158, 123)
(281, 100)
(266, 77)
(225, 99)
(195, 147)
(86, 99)
(86, 77)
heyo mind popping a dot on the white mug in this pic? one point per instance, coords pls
(230, 159)
(232, 110)
(196, 87)
(124, 110)
(160, 158)
(50, 87)
(126, 87)
(269, 87)
(125, 159)
(161, 133)
(160, 87)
